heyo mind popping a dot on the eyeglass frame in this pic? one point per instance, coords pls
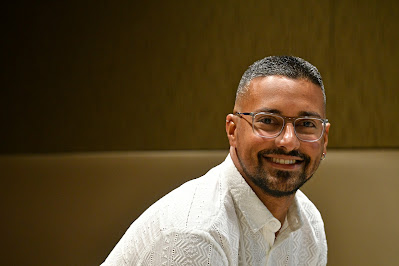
(285, 119)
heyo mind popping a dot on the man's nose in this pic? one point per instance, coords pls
(287, 138)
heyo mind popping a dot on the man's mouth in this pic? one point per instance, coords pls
(283, 161)
(280, 160)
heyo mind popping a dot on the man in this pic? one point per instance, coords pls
(247, 210)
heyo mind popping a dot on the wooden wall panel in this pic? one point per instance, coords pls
(363, 92)
(162, 75)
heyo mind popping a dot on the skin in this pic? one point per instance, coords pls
(251, 153)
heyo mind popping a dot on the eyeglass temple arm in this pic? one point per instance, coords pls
(239, 113)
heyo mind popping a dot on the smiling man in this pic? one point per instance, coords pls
(249, 209)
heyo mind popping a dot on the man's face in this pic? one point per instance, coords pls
(278, 166)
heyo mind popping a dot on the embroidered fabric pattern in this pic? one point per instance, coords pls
(218, 220)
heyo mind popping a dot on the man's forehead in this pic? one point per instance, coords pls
(277, 81)
(276, 93)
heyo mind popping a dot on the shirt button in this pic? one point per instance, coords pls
(274, 225)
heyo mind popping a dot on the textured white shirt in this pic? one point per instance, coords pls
(217, 219)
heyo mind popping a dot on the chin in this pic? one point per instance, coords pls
(283, 184)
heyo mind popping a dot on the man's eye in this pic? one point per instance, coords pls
(266, 121)
(308, 124)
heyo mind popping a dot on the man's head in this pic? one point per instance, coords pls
(275, 151)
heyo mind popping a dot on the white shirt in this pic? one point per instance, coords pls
(218, 220)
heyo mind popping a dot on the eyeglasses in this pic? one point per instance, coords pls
(269, 125)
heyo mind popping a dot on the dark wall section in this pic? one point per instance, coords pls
(162, 74)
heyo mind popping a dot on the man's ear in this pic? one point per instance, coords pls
(231, 129)
(325, 137)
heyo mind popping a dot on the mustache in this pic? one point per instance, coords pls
(282, 152)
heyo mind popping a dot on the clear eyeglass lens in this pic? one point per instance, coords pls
(308, 128)
(270, 126)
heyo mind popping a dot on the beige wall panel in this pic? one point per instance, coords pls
(71, 209)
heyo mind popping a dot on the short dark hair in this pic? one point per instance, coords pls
(288, 66)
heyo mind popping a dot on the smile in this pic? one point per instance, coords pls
(282, 161)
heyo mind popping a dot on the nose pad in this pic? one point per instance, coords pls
(288, 138)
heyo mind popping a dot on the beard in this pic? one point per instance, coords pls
(278, 183)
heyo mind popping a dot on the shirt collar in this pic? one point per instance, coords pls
(252, 208)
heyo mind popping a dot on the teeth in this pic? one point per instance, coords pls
(282, 161)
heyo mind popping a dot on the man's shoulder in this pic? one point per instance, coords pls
(308, 207)
(305, 202)
(195, 216)
(311, 217)
(195, 204)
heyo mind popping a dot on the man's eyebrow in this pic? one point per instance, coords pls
(305, 113)
(268, 110)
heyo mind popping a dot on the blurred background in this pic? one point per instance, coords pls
(105, 78)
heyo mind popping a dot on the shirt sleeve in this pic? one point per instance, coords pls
(170, 248)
